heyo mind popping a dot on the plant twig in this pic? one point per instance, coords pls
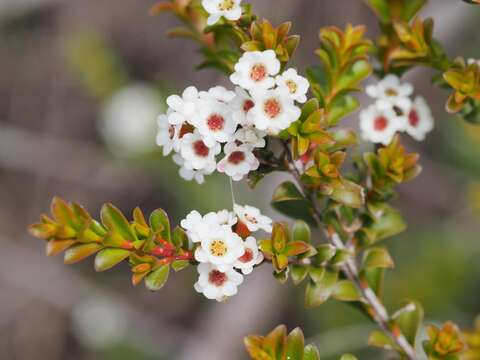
(377, 310)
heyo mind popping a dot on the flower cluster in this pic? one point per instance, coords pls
(394, 111)
(200, 125)
(226, 249)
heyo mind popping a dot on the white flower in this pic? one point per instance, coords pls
(238, 161)
(184, 107)
(390, 92)
(252, 218)
(222, 217)
(230, 9)
(294, 85)
(198, 226)
(380, 125)
(250, 258)
(214, 122)
(191, 174)
(168, 135)
(251, 137)
(219, 246)
(195, 226)
(218, 93)
(273, 111)
(217, 284)
(419, 119)
(240, 105)
(255, 70)
(473, 61)
(196, 153)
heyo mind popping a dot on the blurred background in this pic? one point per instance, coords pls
(81, 83)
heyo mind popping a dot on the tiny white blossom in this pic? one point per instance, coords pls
(219, 218)
(217, 284)
(193, 174)
(238, 161)
(250, 258)
(198, 226)
(380, 125)
(273, 111)
(168, 135)
(241, 105)
(196, 153)
(419, 119)
(294, 85)
(184, 107)
(218, 93)
(252, 218)
(251, 137)
(230, 9)
(219, 246)
(195, 226)
(391, 92)
(255, 70)
(214, 122)
(472, 61)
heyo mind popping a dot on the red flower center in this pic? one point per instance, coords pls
(272, 108)
(236, 157)
(247, 256)
(215, 122)
(171, 131)
(258, 72)
(200, 148)
(247, 105)
(413, 118)
(185, 129)
(217, 278)
(380, 123)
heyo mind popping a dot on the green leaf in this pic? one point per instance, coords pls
(389, 224)
(324, 253)
(317, 293)
(360, 70)
(180, 238)
(311, 353)
(295, 344)
(160, 224)
(254, 348)
(340, 107)
(79, 252)
(288, 200)
(276, 340)
(377, 257)
(345, 290)
(381, 340)
(348, 193)
(279, 237)
(375, 279)
(409, 318)
(298, 273)
(341, 256)
(179, 265)
(157, 278)
(281, 276)
(301, 232)
(381, 9)
(295, 248)
(114, 220)
(64, 214)
(108, 258)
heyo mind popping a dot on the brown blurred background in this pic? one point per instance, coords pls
(80, 84)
